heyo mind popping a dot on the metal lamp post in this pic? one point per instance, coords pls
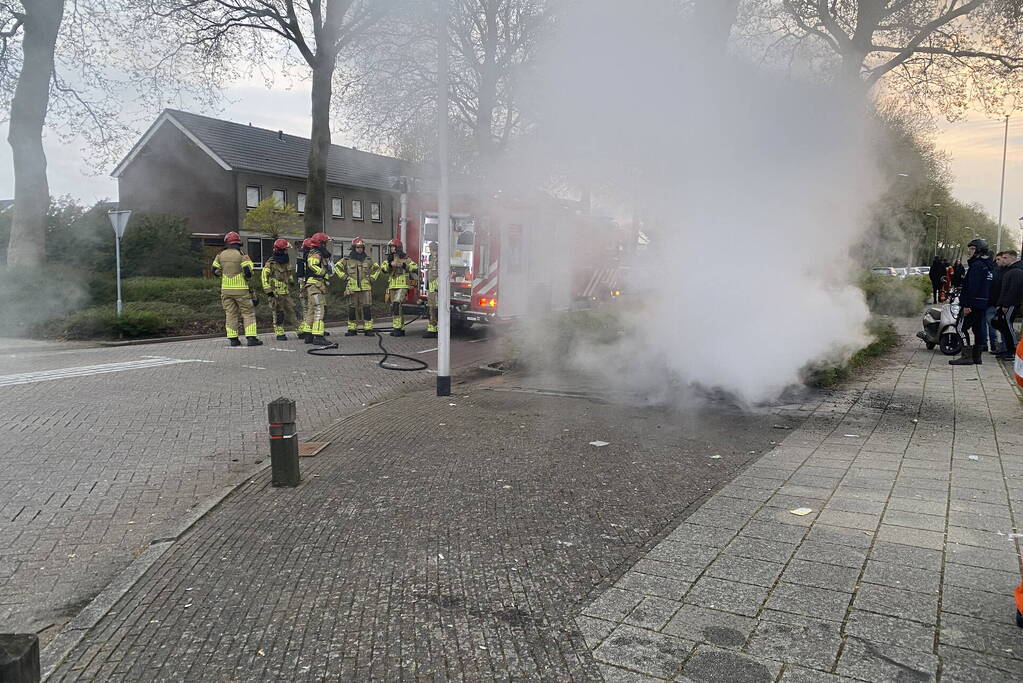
(119, 219)
(444, 211)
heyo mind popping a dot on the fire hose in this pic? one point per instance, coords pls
(383, 353)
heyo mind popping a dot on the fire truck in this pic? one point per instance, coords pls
(516, 257)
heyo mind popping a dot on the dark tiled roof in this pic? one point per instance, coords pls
(265, 151)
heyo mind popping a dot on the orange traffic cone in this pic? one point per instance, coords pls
(1019, 605)
(1018, 364)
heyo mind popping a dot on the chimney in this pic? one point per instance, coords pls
(280, 135)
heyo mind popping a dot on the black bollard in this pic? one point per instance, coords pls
(283, 443)
(19, 658)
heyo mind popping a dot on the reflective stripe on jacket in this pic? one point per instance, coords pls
(398, 275)
(234, 268)
(359, 273)
(276, 277)
(317, 266)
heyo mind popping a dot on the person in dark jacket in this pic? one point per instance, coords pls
(937, 270)
(973, 300)
(1010, 299)
(993, 340)
(958, 273)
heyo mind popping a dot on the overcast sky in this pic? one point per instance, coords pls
(975, 146)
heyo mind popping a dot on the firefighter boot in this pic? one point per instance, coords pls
(966, 358)
(234, 341)
(977, 360)
(282, 337)
(353, 324)
(317, 340)
(253, 341)
(430, 334)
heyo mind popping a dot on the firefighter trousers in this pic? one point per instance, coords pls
(397, 298)
(431, 304)
(283, 310)
(238, 311)
(316, 308)
(360, 310)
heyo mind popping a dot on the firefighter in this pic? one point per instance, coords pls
(276, 278)
(360, 272)
(432, 274)
(400, 271)
(303, 329)
(235, 268)
(317, 271)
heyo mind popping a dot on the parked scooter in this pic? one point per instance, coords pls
(941, 326)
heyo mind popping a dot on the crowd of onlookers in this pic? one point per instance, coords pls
(990, 294)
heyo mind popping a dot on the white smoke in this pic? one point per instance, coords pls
(753, 189)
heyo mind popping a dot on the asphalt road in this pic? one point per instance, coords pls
(105, 448)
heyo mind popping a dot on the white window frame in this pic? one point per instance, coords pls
(357, 215)
(283, 198)
(374, 208)
(248, 194)
(300, 202)
(339, 204)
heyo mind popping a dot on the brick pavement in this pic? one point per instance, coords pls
(430, 542)
(96, 467)
(903, 571)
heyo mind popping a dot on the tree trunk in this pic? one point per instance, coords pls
(25, 133)
(319, 143)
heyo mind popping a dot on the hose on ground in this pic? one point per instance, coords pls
(383, 352)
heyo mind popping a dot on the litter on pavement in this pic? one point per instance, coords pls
(599, 443)
(801, 511)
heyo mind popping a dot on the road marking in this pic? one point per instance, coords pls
(429, 350)
(88, 370)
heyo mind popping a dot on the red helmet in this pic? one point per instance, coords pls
(232, 238)
(319, 239)
(358, 242)
(396, 243)
(281, 245)
(307, 243)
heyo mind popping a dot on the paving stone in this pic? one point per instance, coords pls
(812, 643)
(915, 520)
(923, 507)
(799, 674)
(821, 575)
(981, 539)
(1005, 559)
(644, 651)
(840, 536)
(857, 505)
(922, 607)
(657, 586)
(652, 613)
(829, 553)
(612, 674)
(881, 628)
(729, 596)
(669, 570)
(910, 556)
(981, 522)
(717, 519)
(809, 601)
(773, 531)
(699, 534)
(982, 604)
(901, 576)
(746, 570)
(978, 578)
(935, 540)
(688, 554)
(613, 605)
(703, 625)
(714, 664)
(759, 548)
(594, 630)
(967, 666)
(982, 636)
(871, 661)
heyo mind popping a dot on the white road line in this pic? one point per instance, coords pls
(428, 350)
(88, 370)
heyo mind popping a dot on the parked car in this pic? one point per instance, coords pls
(901, 273)
(920, 270)
(880, 270)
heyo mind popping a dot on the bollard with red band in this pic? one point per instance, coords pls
(1018, 363)
(283, 443)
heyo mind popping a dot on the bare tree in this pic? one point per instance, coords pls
(493, 44)
(261, 32)
(943, 53)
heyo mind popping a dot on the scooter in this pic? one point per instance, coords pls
(941, 326)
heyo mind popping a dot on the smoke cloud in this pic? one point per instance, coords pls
(753, 190)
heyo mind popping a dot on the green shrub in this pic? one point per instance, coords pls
(159, 246)
(174, 315)
(887, 295)
(35, 296)
(166, 288)
(884, 337)
(103, 321)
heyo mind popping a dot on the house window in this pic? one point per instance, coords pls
(374, 212)
(357, 209)
(280, 196)
(300, 202)
(256, 252)
(252, 193)
(337, 207)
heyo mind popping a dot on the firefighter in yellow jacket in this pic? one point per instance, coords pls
(400, 271)
(432, 285)
(303, 303)
(235, 268)
(360, 272)
(317, 273)
(276, 278)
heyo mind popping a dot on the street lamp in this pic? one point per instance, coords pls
(118, 219)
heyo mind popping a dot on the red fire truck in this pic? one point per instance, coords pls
(511, 258)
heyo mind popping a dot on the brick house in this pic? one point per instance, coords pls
(211, 172)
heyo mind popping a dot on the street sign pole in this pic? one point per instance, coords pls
(119, 220)
(444, 209)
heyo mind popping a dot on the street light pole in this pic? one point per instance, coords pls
(119, 220)
(1001, 198)
(444, 209)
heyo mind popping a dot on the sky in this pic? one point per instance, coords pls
(975, 146)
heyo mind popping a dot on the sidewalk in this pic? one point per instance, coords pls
(903, 571)
(488, 540)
